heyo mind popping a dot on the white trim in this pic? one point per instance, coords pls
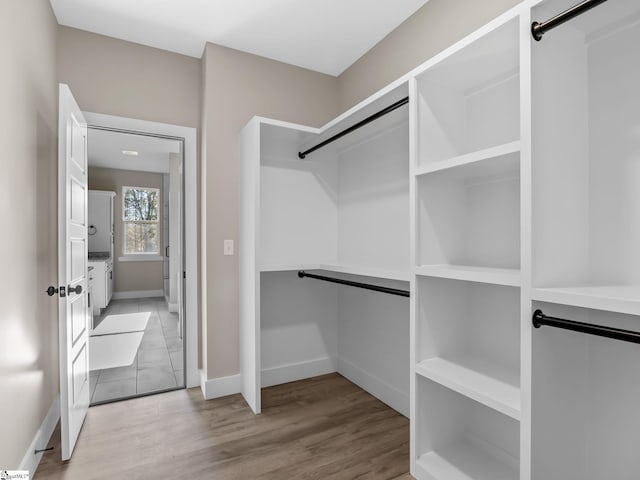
(380, 389)
(173, 307)
(298, 371)
(30, 460)
(219, 387)
(140, 257)
(138, 294)
(190, 222)
(203, 383)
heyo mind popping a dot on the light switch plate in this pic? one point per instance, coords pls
(228, 247)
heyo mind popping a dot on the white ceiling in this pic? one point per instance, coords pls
(105, 150)
(323, 35)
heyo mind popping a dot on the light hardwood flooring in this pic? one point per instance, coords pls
(320, 428)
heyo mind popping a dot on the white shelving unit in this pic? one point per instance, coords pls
(510, 185)
(586, 237)
(343, 212)
(467, 400)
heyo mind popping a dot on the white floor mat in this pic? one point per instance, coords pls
(111, 351)
(123, 323)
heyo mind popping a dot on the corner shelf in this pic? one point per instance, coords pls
(480, 163)
(497, 276)
(456, 461)
(612, 298)
(484, 382)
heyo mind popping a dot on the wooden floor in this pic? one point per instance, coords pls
(320, 428)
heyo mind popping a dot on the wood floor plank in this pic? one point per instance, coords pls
(321, 428)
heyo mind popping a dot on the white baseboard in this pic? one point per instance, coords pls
(380, 389)
(138, 294)
(43, 435)
(219, 387)
(298, 371)
(173, 307)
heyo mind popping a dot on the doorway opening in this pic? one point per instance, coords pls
(136, 263)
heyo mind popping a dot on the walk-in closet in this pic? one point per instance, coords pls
(502, 197)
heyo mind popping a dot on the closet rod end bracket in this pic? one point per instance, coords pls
(537, 318)
(537, 31)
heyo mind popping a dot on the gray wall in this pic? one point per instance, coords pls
(238, 86)
(433, 28)
(28, 248)
(121, 78)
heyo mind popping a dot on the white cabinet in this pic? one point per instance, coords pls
(102, 289)
(100, 234)
(109, 280)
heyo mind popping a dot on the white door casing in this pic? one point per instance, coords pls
(72, 270)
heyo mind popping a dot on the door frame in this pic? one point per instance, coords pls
(190, 221)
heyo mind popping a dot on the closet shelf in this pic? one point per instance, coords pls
(466, 460)
(348, 269)
(485, 382)
(289, 267)
(476, 163)
(496, 276)
(612, 298)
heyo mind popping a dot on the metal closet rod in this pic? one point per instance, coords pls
(366, 286)
(539, 29)
(358, 125)
(539, 319)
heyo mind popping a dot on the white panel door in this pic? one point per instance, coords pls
(72, 270)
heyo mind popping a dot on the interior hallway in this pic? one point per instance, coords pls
(321, 428)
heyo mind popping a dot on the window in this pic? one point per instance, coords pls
(140, 206)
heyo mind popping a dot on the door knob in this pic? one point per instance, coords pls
(51, 291)
(78, 289)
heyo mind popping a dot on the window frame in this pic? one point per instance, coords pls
(140, 255)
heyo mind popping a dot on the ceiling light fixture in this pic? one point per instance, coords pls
(131, 153)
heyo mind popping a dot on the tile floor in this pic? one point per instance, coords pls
(159, 362)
